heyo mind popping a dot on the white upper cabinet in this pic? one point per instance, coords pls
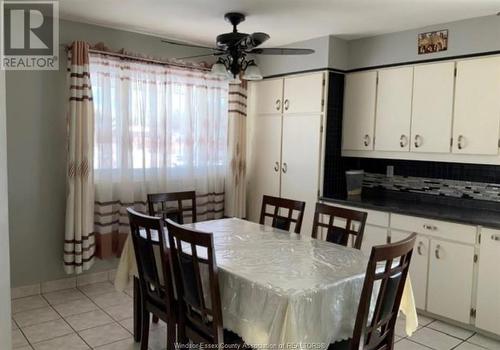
(394, 96)
(427, 112)
(477, 106)
(432, 107)
(359, 111)
(269, 96)
(303, 94)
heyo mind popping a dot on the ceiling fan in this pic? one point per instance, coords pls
(232, 49)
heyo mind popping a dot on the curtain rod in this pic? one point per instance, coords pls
(143, 59)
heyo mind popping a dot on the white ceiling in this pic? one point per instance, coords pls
(287, 21)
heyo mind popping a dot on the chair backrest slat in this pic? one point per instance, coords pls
(283, 222)
(337, 234)
(388, 268)
(158, 205)
(189, 277)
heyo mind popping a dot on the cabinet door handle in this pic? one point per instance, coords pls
(460, 141)
(403, 141)
(419, 248)
(495, 237)
(438, 248)
(366, 140)
(286, 104)
(276, 166)
(418, 141)
(278, 105)
(284, 168)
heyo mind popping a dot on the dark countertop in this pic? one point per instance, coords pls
(466, 211)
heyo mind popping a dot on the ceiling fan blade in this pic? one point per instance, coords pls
(253, 40)
(190, 45)
(204, 55)
(280, 51)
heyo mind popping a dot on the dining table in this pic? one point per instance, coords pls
(279, 287)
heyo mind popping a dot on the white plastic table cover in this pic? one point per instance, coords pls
(281, 288)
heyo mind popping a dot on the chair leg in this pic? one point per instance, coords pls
(156, 319)
(171, 336)
(390, 346)
(145, 329)
(181, 333)
(137, 310)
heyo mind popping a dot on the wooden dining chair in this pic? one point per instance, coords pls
(155, 281)
(170, 205)
(387, 270)
(193, 259)
(279, 220)
(354, 224)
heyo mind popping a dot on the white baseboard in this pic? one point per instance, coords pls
(65, 283)
(53, 286)
(25, 291)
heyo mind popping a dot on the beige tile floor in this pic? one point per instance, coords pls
(95, 316)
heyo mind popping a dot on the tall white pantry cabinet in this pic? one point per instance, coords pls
(285, 147)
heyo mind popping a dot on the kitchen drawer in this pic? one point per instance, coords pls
(442, 229)
(378, 218)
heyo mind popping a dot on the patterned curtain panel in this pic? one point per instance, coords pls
(235, 199)
(158, 129)
(79, 241)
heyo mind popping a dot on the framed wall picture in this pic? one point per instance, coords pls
(432, 42)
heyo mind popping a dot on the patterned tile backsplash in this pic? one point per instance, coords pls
(438, 187)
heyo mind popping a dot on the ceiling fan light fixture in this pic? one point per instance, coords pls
(252, 72)
(232, 49)
(219, 70)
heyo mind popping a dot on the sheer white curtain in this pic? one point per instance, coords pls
(157, 129)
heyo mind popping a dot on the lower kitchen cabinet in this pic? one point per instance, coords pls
(418, 267)
(488, 282)
(450, 280)
(376, 228)
(373, 235)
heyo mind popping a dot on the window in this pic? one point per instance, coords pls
(156, 121)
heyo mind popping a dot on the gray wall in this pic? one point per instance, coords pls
(465, 37)
(338, 53)
(36, 146)
(271, 65)
(5, 321)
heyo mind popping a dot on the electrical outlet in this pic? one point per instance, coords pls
(389, 171)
